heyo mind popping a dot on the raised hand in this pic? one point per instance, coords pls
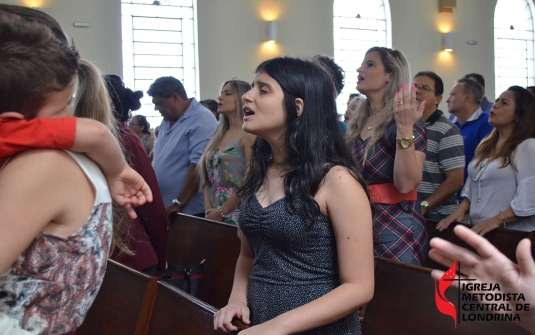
(406, 109)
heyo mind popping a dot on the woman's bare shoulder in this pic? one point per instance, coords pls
(45, 157)
(34, 164)
(339, 185)
(341, 176)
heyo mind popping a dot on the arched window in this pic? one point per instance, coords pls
(358, 26)
(513, 43)
(159, 39)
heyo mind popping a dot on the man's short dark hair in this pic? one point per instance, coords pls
(334, 70)
(477, 77)
(472, 87)
(211, 103)
(439, 84)
(165, 87)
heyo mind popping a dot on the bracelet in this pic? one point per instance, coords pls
(503, 218)
(220, 212)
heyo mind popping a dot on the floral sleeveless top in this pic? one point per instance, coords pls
(226, 168)
(51, 286)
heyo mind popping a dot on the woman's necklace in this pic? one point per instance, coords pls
(482, 167)
(371, 122)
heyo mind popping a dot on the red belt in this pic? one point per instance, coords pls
(388, 194)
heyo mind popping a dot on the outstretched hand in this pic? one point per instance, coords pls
(406, 109)
(489, 265)
(129, 190)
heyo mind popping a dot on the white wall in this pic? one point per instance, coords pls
(415, 31)
(232, 33)
(101, 43)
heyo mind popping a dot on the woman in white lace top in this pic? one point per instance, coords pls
(501, 175)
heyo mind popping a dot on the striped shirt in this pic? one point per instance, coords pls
(445, 152)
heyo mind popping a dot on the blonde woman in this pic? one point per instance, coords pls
(222, 166)
(387, 138)
(144, 239)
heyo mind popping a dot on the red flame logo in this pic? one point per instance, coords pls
(443, 304)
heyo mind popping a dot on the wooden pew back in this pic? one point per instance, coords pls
(123, 305)
(404, 303)
(176, 312)
(192, 239)
(505, 240)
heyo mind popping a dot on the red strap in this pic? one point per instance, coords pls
(193, 276)
(388, 194)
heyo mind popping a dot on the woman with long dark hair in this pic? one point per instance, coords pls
(387, 137)
(306, 261)
(148, 235)
(499, 189)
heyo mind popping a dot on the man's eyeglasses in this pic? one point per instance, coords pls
(424, 88)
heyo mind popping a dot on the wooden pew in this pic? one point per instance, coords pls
(176, 312)
(192, 239)
(123, 305)
(505, 240)
(404, 303)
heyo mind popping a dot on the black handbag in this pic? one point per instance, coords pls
(186, 276)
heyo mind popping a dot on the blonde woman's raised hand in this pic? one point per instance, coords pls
(406, 110)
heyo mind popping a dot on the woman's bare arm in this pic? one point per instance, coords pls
(409, 163)
(237, 303)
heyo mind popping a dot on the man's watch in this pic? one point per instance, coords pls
(177, 203)
(424, 204)
(405, 142)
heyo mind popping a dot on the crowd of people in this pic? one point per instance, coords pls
(315, 198)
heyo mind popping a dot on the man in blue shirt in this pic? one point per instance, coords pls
(185, 131)
(463, 104)
(485, 104)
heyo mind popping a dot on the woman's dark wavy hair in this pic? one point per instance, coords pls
(524, 128)
(313, 139)
(142, 121)
(124, 99)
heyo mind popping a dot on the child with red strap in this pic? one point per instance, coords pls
(82, 135)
